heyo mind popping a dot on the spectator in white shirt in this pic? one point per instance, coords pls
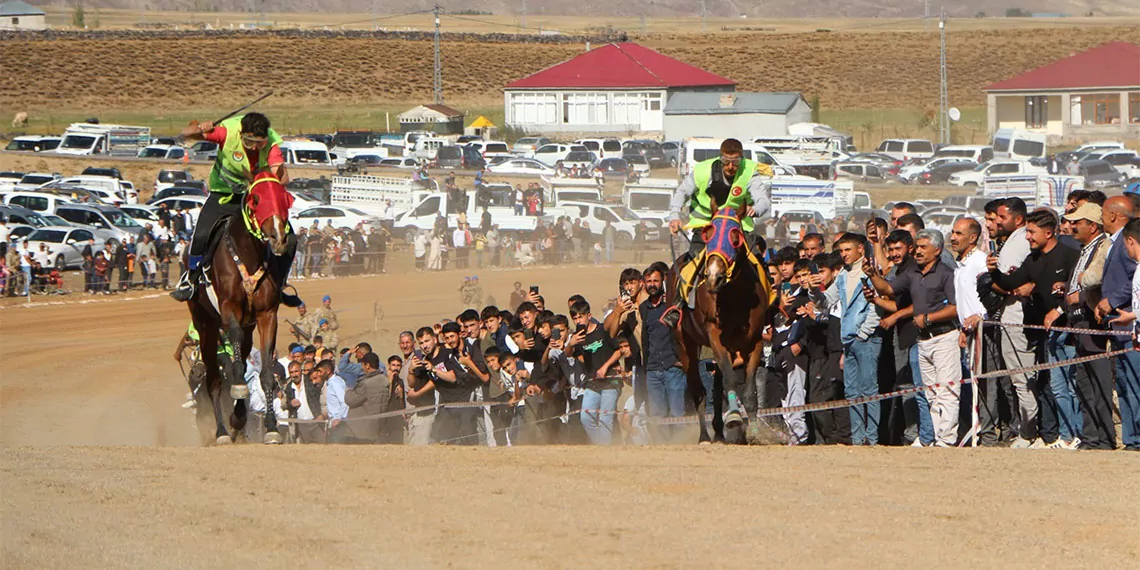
(334, 396)
(965, 238)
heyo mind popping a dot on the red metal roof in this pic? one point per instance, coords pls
(1115, 64)
(620, 66)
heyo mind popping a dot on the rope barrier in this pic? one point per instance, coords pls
(1074, 330)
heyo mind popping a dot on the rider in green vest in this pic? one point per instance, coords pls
(731, 180)
(246, 147)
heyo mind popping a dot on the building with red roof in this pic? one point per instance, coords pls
(618, 87)
(1095, 93)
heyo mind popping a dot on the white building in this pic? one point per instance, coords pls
(620, 87)
(740, 115)
(17, 15)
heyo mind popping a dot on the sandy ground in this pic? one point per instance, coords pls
(561, 507)
(99, 470)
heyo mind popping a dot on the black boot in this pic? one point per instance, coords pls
(279, 266)
(187, 284)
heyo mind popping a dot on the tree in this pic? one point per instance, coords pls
(77, 18)
(815, 109)
(1017, 13)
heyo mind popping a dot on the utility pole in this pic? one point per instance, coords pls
(437, 75)
(925, 15)
(643, 18)
(374, 22)
(522, 17)
(702, 2)
(943, 92)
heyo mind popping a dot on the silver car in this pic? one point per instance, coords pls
(64, 244)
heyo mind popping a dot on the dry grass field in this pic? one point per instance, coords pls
(847, 70)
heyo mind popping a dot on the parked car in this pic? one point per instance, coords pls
(526, 146)
(9, 179)
(941, 174)
(102, 171)
(550, 154)
(33, 180)
(142, 214)
(650, 150)
(671, 150)
(32, 143)
(613, 168)
(21, 215)
(400, 163)
(975, 152)
(450, 156)
(203, 150)
(913, 169)
(17, 232)
(905, 149)
(602, 148)
(521, 166)
(581, 159)
(41, 202)
(797, 218)
(638, 163)
(363, 160)
(490, 149)
(165, 151)
(978, 175)
(341, 216)
(167, 178)
(64, 244)
(107, 222)
(472, 158)
(180, 190)
(1101, 174)
(193, 204)
(861, 171)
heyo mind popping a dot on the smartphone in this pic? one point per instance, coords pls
(534, 289)
(556, 333)
(993, 247)
(785, 288)
(814, 268)
(867, 283)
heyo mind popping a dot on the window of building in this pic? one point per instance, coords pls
(15, 21)
(1036, 112)
(1098, 109)
(533, 108)
(585, 108)
(1134, 108)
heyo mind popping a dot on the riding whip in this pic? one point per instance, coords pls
(250, 104)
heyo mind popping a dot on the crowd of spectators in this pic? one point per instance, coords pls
(865, 313)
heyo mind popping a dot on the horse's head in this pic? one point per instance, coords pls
(268, 206)
(723, 239)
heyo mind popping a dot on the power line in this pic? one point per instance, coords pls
(437, 75)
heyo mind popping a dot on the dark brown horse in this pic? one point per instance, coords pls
(244, 295)
(728, 315)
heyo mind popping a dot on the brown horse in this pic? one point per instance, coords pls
(728, 315)
(244, 295)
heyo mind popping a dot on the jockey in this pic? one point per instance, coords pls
(246, 147)
(731, 180)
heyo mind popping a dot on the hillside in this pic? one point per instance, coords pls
(652, 8)
(845, 70)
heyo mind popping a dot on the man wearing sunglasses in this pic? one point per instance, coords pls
(247, 147)
(731, 180)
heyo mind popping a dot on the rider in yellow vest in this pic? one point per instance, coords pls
(716, 178)
(246, 147)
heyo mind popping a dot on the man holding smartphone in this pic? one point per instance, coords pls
(597, 352)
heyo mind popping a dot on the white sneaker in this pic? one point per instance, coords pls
(1020, 443)
(1058, 444)
(917, 443)
(1073, 445)
(1038, 444)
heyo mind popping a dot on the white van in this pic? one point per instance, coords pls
(975, 152)
(1016, 144)
(700, 149)
(906, 149)
(40, 202)
(305, 152)
(602, 148)
(427, 148)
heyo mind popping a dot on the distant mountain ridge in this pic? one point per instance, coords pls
(652, 8)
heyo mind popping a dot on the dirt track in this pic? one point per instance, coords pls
(100, 374)
(567, 507)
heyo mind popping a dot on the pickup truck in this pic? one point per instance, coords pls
(371, 193)
(974, 178)
(649, 197)
(596, 214)
(1035, 189)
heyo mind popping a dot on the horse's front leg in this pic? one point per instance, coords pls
(208, 345)
(267, 334)
(718, 406)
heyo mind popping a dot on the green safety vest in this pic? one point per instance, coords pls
(224, 348)
(232, 172)
(700, 203)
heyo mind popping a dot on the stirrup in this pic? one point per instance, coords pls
(671, 317)
(184, 291)
(290, 300)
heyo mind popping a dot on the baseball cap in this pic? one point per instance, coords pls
(323, 322)
(326, 298)
(297, 349)
(1087, 211)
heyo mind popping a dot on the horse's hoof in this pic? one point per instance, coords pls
(733, 419)
(271, 438)
(239, 391)
(223, 440)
